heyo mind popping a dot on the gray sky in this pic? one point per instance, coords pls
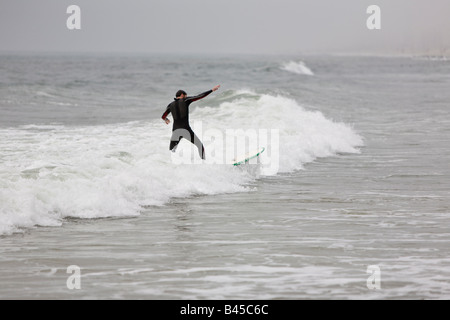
(227, 26)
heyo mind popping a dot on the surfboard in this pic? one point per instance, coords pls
(249, 156)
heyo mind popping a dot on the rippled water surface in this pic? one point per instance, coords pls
(362, 181)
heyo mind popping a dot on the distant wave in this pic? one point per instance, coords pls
(298, 67)
(431, 58)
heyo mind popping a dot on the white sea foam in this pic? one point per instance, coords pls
(303, 135)
(298, 67)
(49, 173)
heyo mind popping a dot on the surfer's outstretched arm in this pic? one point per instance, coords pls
(202, 95)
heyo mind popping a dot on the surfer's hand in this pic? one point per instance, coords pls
(167, 121)
(216, 88)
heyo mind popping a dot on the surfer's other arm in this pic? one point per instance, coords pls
(166, 113)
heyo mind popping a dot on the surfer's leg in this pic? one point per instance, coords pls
(188, 134)
(177, 135)
(196, 141)
(173, 145)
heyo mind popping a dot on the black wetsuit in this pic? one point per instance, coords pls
(181, 128)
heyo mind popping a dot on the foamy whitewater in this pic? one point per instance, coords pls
(51, 172)
(354, 182)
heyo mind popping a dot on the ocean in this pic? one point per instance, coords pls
(350, 200)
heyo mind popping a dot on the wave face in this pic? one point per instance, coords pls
(297, 67)
(52, 172)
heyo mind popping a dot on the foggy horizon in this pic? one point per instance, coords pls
(264, 27)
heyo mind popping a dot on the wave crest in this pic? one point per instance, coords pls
(297, 67)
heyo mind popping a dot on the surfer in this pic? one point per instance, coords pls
(180, 113)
